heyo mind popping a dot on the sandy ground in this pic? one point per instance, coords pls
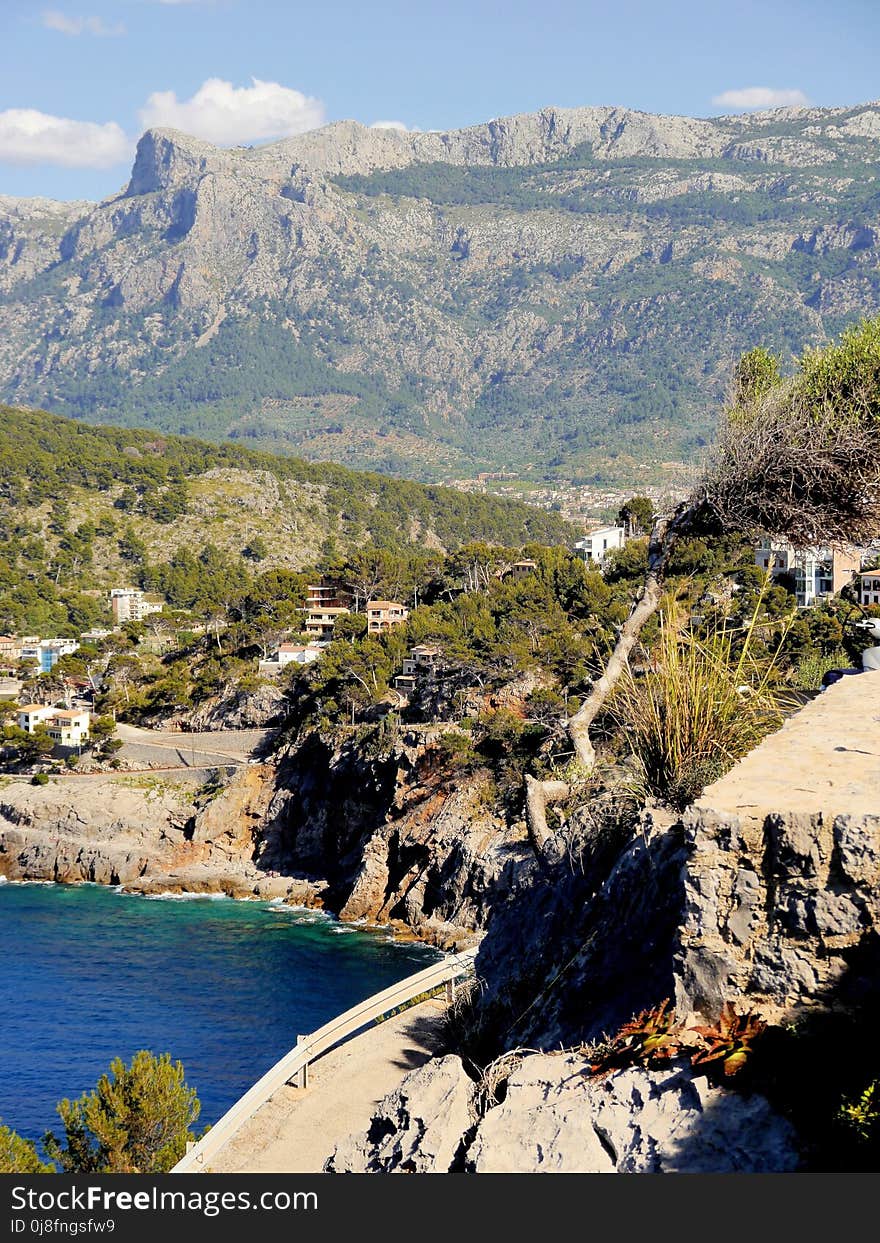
(297, 1129)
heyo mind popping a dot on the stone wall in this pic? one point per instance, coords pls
(782, 882)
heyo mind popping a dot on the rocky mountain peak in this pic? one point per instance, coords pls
(168, 157)
(460, 293)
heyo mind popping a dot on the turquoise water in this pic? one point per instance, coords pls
(89, 974)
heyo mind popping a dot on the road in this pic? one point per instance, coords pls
(298, 1128)
(170, 749)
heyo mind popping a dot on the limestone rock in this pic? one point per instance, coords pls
(635, 1121)
(237, 709)
(554, 1119)
(418, 1129)
(782, 884)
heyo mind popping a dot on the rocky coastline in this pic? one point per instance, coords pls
(375, 838)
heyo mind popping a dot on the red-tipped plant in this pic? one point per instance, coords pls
(648, 1038)
(730, 1042)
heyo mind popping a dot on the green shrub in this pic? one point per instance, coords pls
(136, 1120)
(40, 779)
(811, 670)
(19, 1156)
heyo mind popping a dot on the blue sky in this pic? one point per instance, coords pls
(81, 78)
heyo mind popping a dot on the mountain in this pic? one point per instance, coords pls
(538, 293)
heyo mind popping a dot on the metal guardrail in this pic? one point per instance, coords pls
(309, 1048)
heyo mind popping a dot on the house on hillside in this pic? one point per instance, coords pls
(519, 569)
(383, 615)
(47, 652)
(421, 662)
(67, 728)
(816, 573)
(598, 543)
(868, 582)
(290, 654)
(321, 618)
(326, 593)
(10, 651)
(29, 716)
(422, 659)
(132, 604)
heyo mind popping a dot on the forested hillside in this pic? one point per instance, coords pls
(83, 508)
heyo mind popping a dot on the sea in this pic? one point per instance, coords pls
(88, 974)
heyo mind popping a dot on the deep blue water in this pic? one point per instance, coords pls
(88, 974)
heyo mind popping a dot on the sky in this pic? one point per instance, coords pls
(81, 79)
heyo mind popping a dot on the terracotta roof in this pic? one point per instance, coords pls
(372, 605)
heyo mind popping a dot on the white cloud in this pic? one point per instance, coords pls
(230, 115)
(31, 137)
(398, 125)
(751, 97)
(54, 19)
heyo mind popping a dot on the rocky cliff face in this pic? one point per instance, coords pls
(393, 836)
(555, 1120)
(767, 896)
(377, 835)
(150, 834)
(434, 302)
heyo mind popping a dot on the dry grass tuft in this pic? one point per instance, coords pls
(700, 708)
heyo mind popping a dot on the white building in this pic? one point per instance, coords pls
(94, 636)
(47, 652)
(69, 728)
(131, 604)
(66, 728)
(32, 715)
(817, 573)
(597, 544)
(290, 654)
(421, 659)
(869, 587)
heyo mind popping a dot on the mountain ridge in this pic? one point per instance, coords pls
(538, 293)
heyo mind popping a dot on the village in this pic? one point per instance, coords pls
(58, 708)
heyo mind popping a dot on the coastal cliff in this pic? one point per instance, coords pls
(764, 898)
(382, 834)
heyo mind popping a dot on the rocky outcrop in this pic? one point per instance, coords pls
(151, 835)
(94, 830)
(393, 835)
(418, 1129)
(782, 885)
(554, 1119)
(766, 895)
(237, 709)
(374, 830)
(603, 924)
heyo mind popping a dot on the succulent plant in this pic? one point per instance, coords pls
(730, 1042)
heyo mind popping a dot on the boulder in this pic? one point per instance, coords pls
(419, 1128)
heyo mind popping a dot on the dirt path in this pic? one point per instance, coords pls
(297, 1129)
